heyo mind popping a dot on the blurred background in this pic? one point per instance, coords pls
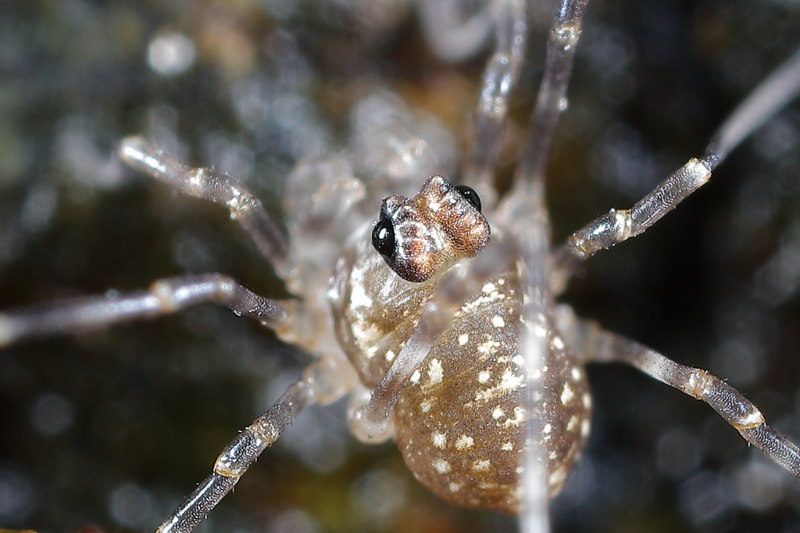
(110, 430)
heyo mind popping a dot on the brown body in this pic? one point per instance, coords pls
(460, 420)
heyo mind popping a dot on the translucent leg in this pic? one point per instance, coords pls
(213, 186)
(499, 78)
(528, 208)
(598, 345)
(163, 297)
(537, 303)
(619, 225)
(552, 99)
(238, 456)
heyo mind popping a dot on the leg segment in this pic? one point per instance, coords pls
(551, 100)
(499, 78)
(238, 456)
(529, 211)
(213, 186)
(599, 345)
(774, 93)
(164, 296)
(619, 225)
(526, 206)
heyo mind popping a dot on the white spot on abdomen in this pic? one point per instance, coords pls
(464, 442)
(482, 465)
(435, 371)
(566, 394)
(441, 466)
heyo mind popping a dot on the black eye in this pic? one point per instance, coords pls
(469, 195)
(383, 237)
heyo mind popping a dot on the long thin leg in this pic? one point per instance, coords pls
(499, 78)
(619, 225)
(163, 297)
(213, 186)
(528, 211)
(238, 456)
(537, 301)
(551, 100)
(598, 345)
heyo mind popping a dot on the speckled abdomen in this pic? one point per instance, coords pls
(460, 422)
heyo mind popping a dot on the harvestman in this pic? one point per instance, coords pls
(432, 334)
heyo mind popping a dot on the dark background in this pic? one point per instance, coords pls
(112, 429)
